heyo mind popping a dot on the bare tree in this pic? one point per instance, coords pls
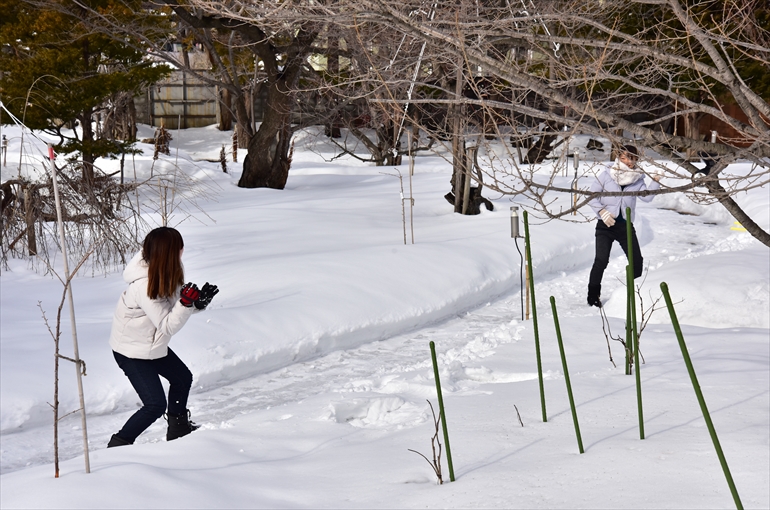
(535, 73)
(356, 88)
(250, 48)
(71, 77)
(628, 71)
(103, 219)
(80, 364)
(100, 209)
(281, 41)
(435, 445)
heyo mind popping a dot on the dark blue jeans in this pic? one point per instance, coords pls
(145, 375)
(604, 238)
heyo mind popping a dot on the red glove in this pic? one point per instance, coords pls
(189, 294)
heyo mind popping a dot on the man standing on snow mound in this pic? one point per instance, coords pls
(625, 176)
(154, 307)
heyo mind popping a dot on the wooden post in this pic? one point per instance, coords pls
(29, 217)
(466, 168)
(184, 102)
(457, 151)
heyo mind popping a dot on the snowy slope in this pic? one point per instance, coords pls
(312, 365)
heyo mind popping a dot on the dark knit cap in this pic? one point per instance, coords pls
(630, 149)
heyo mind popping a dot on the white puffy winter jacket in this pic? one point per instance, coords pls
(143, 327)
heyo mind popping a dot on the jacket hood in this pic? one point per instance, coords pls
(136, 269)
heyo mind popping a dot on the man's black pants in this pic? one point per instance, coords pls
(604, 237)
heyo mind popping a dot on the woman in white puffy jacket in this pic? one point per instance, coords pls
(150, 311)
(623, 175)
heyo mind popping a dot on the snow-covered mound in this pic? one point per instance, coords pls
(312, 362)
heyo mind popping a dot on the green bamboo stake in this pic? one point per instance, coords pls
(566, 374)
(635, 349)
(534, 315)
(699, 394)
(629, 237)
(631, 330)
(629, 333)
(441, 411)
(631, 293)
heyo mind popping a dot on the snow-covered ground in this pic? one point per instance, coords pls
(312, 366)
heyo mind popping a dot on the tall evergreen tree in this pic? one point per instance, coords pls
(56, 73)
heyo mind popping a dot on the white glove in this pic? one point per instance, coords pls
(607, 217)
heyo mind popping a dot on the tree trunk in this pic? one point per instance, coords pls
(539, 150)
(225, 113)
(88, 139)
(387, 145)
(29, 217)
(85, 123)
(332, 127)
(692, 131)
(132, 119)
(268, 161)
(243, 119)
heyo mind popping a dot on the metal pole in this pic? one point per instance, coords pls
(76, 354)
(21, 148)
(515, 235)
(566, 374)
(534, 314)
(184, 103)
(699, 395)
(576, 163)
(441, 411)
(565, 153)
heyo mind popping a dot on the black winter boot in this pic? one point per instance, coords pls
(179, 426)
(116, 440)
(594, 294)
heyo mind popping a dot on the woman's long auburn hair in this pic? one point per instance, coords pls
(162, 251)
